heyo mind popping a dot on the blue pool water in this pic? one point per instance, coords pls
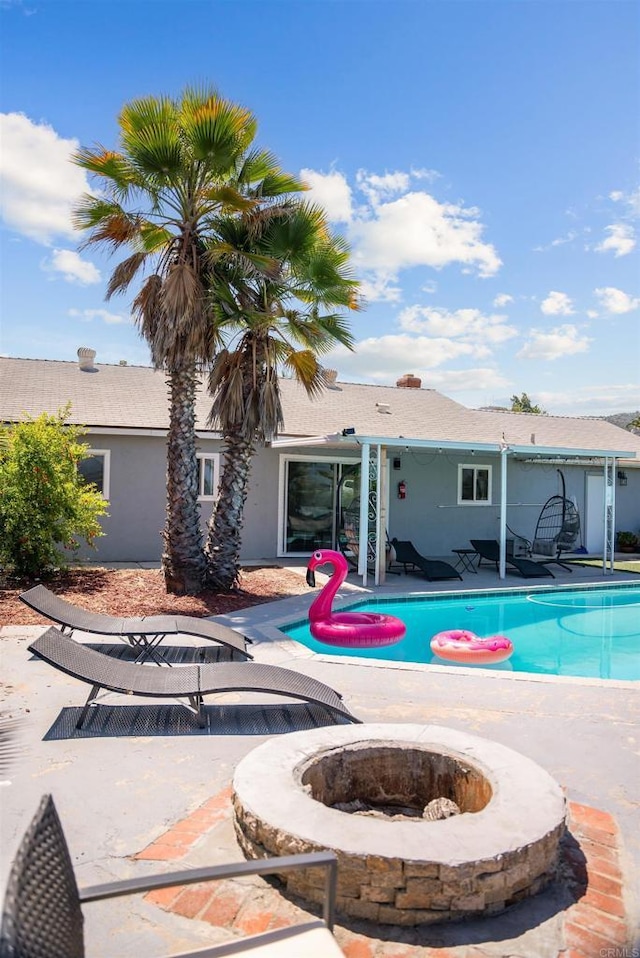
(591, 633)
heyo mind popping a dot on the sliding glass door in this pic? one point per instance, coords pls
(316, 492)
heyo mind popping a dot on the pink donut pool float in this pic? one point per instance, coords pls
(459, 645)
(354, 629)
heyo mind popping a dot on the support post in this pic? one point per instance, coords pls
(503, 511)
(381, 512)
(363, 530)
(609, 506)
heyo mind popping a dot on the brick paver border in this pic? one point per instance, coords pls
(594, 924)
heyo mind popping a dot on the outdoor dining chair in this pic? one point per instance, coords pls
(42, 914)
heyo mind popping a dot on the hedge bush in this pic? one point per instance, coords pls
(45, 503)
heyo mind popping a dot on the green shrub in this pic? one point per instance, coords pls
(44, 502)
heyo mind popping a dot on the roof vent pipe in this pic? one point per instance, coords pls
(85, 358)
(409, 381)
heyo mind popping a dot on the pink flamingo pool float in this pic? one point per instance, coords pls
(460, 645)
(355, 629)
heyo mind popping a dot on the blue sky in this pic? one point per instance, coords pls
(481, 157)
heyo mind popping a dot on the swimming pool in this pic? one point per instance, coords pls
(589, 633)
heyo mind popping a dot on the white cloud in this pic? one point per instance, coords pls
(380, 288)
(554, 344)
(466, 380)
(376, 187)
(39, 183)
(395, 228)
(73, 268)
(630, 200)
(469, 325)
(620, 241)
(502, 299)
(331, 191)
(615, 300)
(417, 230)
(384, 358)
(557, 304)
(423, 174)
(591, 400)
(559, 241)
(103, 315)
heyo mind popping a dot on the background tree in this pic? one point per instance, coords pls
(181, 164)
(280, 318)
(523, 404)
(45, 503)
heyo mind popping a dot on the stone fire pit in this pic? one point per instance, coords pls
(403, 870)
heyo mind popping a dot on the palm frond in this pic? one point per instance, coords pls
(182, 293)
(124, 273)
(109, 165)
(225, 197)
(151, 136)
(217, 130)
(278, 184)
(306, 370)
(255, 165)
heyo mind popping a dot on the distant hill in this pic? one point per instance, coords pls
(622, 419)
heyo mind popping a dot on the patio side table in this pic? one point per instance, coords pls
(465, 559)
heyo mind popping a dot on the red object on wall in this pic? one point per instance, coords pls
(402, 490)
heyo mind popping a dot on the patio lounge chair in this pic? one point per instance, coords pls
(489, 551)
(433, 569)
(43, 916)
(143, 633)
(190, 682)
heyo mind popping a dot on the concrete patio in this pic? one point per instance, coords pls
(145, 789)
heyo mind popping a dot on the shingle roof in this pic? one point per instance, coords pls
(136, 397)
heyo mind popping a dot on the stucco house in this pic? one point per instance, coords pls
(429, 469)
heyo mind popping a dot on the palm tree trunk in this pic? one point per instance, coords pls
(183, 562)
(224, 538)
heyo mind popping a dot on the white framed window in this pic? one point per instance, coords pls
(96, 468)
(208, 476)
(474, 485)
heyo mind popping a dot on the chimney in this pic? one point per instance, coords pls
(85, 358)
(409, 381)
(330, 376)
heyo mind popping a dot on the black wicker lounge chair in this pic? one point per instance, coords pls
(433, 569)
(190, 682)
(489, 551)
(43, 915)
(143, 633)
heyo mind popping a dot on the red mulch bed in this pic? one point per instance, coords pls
(137, 592)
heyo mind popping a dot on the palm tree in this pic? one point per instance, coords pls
(182, 164)
(279, 318)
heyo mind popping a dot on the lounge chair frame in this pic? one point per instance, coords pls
(489, 551)
(411, 560)
(144, 633)
(36, 923)
(190, 682)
